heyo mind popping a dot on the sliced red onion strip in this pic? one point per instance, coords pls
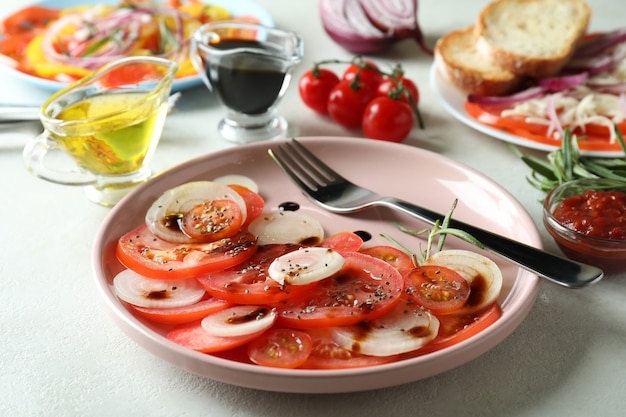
(614, 88)
(395, 15)
(532, 92)
(555, 84)
(600, 43)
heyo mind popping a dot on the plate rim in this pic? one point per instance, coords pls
(178, 84)
(453, 99)
(526, 287)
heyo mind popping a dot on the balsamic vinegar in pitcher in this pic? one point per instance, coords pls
(248, 82)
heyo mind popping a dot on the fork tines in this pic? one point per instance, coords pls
(302, 166)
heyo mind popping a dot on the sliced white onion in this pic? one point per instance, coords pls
(483, 275)
(239, 321)
(156, 293)
(305, 265)
(242, 180)
(286, 227)
(405, 328)
(180, 199)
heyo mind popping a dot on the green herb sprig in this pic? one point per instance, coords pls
(566, 164)
(439, 232)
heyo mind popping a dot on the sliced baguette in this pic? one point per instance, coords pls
(535, 38)
(458, 60)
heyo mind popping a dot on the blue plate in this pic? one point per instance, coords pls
(235, 7)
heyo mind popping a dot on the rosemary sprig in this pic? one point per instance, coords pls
(439, 231)
(566, 164)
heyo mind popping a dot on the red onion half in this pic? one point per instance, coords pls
(370, 26)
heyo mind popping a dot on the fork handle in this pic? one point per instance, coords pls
(557, 269)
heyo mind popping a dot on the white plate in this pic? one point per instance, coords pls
(411, 173)
(453, 101)
(235, 7)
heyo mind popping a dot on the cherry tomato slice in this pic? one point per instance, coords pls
(148, 255)
(249, 282)
(387, 119)
(185, 314)
(342, 242)
(364, 289)
(315, 87)
(346, 103)
(212, 220)
(438, 289)
(393, 256)
(281, 348)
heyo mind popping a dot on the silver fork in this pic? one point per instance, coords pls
(334, 193)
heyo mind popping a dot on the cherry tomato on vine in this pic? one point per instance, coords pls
(388, 85)
(387, 119)
(347, 103)
(315, 87)
(369, 77)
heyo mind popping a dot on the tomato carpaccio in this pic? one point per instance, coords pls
(288, 323)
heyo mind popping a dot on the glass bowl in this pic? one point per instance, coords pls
(606, 252)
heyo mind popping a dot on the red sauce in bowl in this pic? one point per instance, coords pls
(600, 214)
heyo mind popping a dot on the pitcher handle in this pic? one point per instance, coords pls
(35, 154)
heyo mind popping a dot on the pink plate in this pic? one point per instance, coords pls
(411, 173)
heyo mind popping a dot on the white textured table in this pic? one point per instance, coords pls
(61, 355)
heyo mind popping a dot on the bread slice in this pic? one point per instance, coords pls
(531, 37)
(457, 59)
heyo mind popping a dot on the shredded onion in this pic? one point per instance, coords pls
(370, 26)
(92, 38)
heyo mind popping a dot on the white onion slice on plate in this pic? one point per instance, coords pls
(239, 320)
(238, 179)
(287, 227)
(180, 199)
(407, 327)
(138, 290)
(473, 267)
(305, 266)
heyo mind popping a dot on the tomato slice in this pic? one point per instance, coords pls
(592, 138)
(249, 282)
(455, 328)
(327, 354)
(344, 241)
(393, 256)
(185, 314)
(254, 202)
(28, 20)
(193, 336)
(212, 220)
(364, 289)
(281, 348)
(148, 255)
(436, 288)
